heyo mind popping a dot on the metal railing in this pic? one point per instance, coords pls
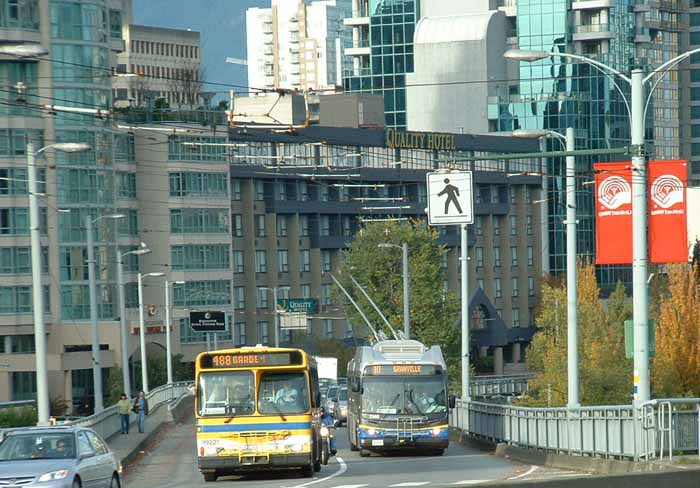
(491, 386)
(107, 422)
(656, 430)
(18, 404)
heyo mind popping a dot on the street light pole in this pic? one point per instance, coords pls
(571, 272)
(168, 351)
(142, 338)
(96, 369)
(466, 394)
(126, 379)
(42, 384)
(406, 320)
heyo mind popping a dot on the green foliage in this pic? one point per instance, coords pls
(605, 374)
(157, 376)
(18, 417)
(433, 312)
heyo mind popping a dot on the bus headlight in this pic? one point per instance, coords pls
(371, 432)
(436, 431)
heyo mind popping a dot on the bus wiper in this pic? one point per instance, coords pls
(410, 397)
(398, 395)
(277, 409)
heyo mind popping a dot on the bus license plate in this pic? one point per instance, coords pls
(377, 442)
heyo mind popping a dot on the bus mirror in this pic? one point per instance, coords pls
(355, 386)
(452, 401)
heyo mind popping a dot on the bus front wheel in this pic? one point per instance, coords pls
(209, 476)
(307, 471)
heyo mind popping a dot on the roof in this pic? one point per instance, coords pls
(453, 28)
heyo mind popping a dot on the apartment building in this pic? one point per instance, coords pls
(159, 63)
(297, 44)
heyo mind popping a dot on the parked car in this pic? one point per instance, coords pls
(340, 407)
(57, 457)
(330, 398)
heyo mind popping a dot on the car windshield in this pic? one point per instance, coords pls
(37, 446)
(226, 393)
(332, 392)
(393, 395)
(343, 395)
(282, 393)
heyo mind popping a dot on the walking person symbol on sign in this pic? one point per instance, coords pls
(452, 193)
(450, 198)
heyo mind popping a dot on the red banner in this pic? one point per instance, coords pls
(613, 214)
(668, 219)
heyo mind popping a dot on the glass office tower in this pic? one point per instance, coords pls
(382, 52)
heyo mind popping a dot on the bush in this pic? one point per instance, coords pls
(18, 417)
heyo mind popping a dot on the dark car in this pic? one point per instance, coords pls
(57, 457)
(340, 406)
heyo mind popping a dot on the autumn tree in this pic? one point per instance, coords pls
(676, 365)
(605, 375)
(434, 312)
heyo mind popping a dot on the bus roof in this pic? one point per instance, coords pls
(396, 351)
(305, 358)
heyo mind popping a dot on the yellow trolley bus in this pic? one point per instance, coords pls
(257, 409)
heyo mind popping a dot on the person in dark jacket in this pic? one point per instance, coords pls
(141, 409)
(328, 421)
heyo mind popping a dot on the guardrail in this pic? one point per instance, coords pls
(107, 422)
(18, 404)
(490, 386)
(658, 428)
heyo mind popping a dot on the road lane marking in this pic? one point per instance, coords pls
(470, 482)
(410, 483)
(342, 469)
(522, 475)
(550, 476)
(350, 486)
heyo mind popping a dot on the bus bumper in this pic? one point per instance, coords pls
(246, 462)
(377, 440)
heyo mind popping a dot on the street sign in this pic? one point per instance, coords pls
(208, 321)
(294, 321)
(306, 305)
(450, 198)
(629, 339)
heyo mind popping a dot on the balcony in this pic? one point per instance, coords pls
(356, 21)
(667, 5)
(357, 51)
(593, 32)
(591, 4)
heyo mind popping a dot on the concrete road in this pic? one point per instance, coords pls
(172, 464)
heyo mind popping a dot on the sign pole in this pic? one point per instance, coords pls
(216, 341)
(208, 341)
(465, 314)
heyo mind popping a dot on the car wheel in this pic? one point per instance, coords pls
(307, 471)
(115, 483)
(209, 476)
(77, 483)
(364, 453)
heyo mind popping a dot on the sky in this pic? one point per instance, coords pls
(221, 24)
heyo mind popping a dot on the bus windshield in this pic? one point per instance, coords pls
(398, 395)
(282, 393)
(226, 393)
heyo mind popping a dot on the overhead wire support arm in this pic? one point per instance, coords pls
(375, 307)
(364, 317)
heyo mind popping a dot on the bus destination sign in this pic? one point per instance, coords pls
(250, 360)
(402, 370)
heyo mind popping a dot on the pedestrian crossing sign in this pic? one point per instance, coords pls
(450, 198)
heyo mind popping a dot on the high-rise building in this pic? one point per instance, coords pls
(297, 44)
(690, 111)
(159, 63)
(382, 52)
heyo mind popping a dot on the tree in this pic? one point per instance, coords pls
(434, 312)
(187, 85)
(604, 372)
(676, 365)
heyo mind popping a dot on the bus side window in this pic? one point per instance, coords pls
(315, 392)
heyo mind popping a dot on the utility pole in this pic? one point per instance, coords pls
(466, 394)
(571, 272)
(96, 368)
(406, 319)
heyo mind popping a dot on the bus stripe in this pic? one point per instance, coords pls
(249, 427)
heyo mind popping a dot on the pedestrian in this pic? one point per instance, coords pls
(141, 409)
(124, 410)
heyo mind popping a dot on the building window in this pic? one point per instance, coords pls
(239, 297)
(115, 24)
(479, 226)
(530, 256)
(326, 260)
(496, 257)
(200, 257)
(17, 260)
(260, 226)
(236, 190)
(496, 226)
(126, 184)
(238, 225)
(281, 225)
(240, 336)
(531, 286)
(513, 225)
(497, 288)
(238, 262)
(480, 283)
(263, 336)
(198, 221)
(283, 261)
(516, 317)
(511, 193)
(261, 297)
(514, 287)
(305, 291)
(22, 344)
(529, 225)
(303, 191)
(177, 151)
(326, 294)
(325, 226)
(202, 293)
(261, 261)
(259, 190)
(479, 257)
(23, 385)
(528, 195)
(20, 14)
(328, 328)
(200, 185)
(513, 256)
(305, 261)
(303, 226)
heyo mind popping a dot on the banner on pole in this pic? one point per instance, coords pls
(613, 215)
(668, 224)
